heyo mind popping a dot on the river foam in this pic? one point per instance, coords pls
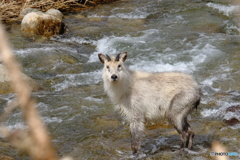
(157, 61)
(74, 80)
(227, 10)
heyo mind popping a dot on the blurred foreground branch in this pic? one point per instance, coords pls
(36, 141)
(219, 148)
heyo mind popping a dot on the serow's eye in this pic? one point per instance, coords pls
(108, 68)
(119, 66)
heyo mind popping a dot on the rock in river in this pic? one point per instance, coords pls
(232, 120)
(5, 82)
(43, 24)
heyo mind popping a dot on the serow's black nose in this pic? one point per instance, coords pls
(114, 77)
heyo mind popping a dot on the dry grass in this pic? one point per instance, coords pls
(10, 9)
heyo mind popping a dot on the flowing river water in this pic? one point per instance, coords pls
(197, 37)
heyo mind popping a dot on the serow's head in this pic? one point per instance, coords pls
(113, 66)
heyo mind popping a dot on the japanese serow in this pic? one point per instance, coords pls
(143, 96)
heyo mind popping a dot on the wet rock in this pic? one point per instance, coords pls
(233, 120)
(43, 24)
(233, 109)
(5, 82)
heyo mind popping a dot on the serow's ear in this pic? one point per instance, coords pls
(103, 58)
(121, 57)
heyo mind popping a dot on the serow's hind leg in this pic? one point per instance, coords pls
(187, 136)
(190, 138)
(183, 137)
(185, 132)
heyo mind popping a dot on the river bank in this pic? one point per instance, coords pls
(10, 11)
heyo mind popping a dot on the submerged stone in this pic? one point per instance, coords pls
(232, 121)
(5, 81)
(233, 108)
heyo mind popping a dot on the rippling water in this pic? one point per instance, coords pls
(197, 37)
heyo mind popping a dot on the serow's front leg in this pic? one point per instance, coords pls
(137, 132)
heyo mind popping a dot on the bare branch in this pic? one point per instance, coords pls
(37, 141)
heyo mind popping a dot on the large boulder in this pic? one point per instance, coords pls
(5, 81)
(43, 24)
